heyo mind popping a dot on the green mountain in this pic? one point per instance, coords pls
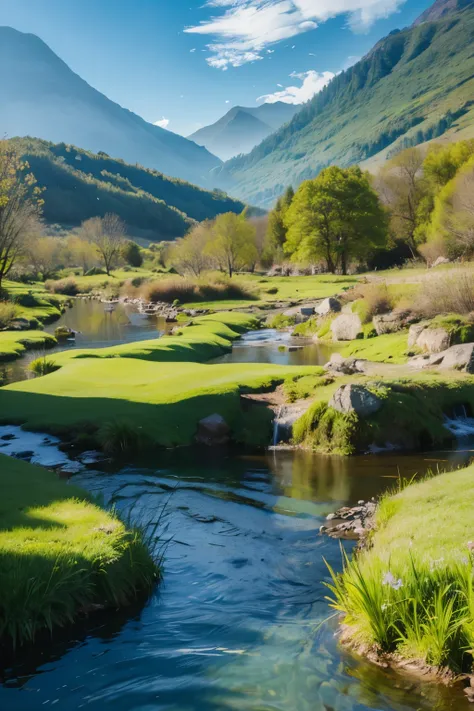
(414, 85)
(41, 96)
(242, 128)
(79, 185)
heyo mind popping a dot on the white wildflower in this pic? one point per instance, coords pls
(389, 579)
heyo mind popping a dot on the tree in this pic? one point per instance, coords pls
(232, 245)
(20, 207)
(189, 254)
(277, 229)
(107, 235)
(44, 255)
(80, 253)
(403, 189)
(132, 254)
(335, 218)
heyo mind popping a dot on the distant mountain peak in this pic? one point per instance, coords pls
(440, 9)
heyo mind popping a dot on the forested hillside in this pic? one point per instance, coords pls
(79, 185)
(413, 86)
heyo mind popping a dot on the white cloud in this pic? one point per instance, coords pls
(311, 83)
(245, 28)
(162, 123)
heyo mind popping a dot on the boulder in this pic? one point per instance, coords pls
(439, 261)
(213, 430)
(460, 357)
(346, 327)
(392, 322)
(355, 398)
(328, 306)
(345, 366)
(432, 340)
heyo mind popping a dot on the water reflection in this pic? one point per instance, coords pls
(236, 623)
(95, 328)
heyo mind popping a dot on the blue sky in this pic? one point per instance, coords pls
(188, 62)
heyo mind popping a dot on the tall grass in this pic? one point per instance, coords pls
(188, 290)
(67, 287)
(446, 295)
(8, 313)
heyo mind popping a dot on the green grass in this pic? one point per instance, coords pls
(60, 553)
(412, 592)
(14, 344)
(388, 348)
(34, 303)
(460, 327)
(411, 416)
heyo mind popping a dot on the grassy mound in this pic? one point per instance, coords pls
(412, 592)
(34, 303)
(411, 417)
(389, 348)
(162, 402)
(60, 553)
(13, 344)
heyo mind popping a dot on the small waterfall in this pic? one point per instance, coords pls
(460, 424)
(276, 423)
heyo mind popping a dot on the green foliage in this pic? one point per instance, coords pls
(132, 254)
(412, 594)
(43, 366)
(144, 199)
(8, 313)
(335, 218)
(120, 438)
(61, 554)
(14, 344)
(232, 245)
(327, 430)
(280, 321)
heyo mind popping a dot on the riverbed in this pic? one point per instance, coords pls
(240, 620)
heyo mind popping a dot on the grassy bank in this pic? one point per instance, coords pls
(411, 416)
(60, 553)
(411, 593)
(33, 303)
(14, 344)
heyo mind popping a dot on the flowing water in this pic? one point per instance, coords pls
(95, 327)
(238, 621)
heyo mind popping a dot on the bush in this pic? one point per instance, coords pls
(280, 321)
(272, 290)
(120, 438)
(187, 291)
(372, 300)
(67, 287)
(43, 366)
(8, 313)
(446, 295)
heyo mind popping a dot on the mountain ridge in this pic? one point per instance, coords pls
(42, 96)
(412, 86)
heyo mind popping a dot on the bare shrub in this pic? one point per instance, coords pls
(68, 287)
(8, 313)
(431, 251)
(447, 294)
(378, 299)
(187, 291)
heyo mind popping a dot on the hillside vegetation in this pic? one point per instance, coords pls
(79, 185)
(413, 86)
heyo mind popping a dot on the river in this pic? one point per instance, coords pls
(239, 619)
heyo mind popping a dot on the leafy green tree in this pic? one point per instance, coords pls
(132, 254)
(20, 207)
(335, 218)
(276, 228)
(232, 245)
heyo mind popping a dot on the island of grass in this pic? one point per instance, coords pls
(14, 344)
(408, 597)
(150, 393)
(32, 303)
(61, 554)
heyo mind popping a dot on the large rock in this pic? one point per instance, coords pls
(346, 327)
(345, 366)
(213, 430)
(432, 340)
(392, 322)
(460, 357)
(355, 398)
(328, 306)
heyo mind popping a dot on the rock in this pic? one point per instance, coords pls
(213, 430)
(433, 340)
(307, 311)
(355, 398)
(346, 327)
(460, 357)
(345, 366)
(392, 322)
(328, 306)
(18, 324)
(440, 260)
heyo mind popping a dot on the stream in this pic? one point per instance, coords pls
(239, 619)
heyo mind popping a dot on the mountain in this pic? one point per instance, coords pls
(242, 128)
(78, 185)
(414, 85)
(42, 97)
